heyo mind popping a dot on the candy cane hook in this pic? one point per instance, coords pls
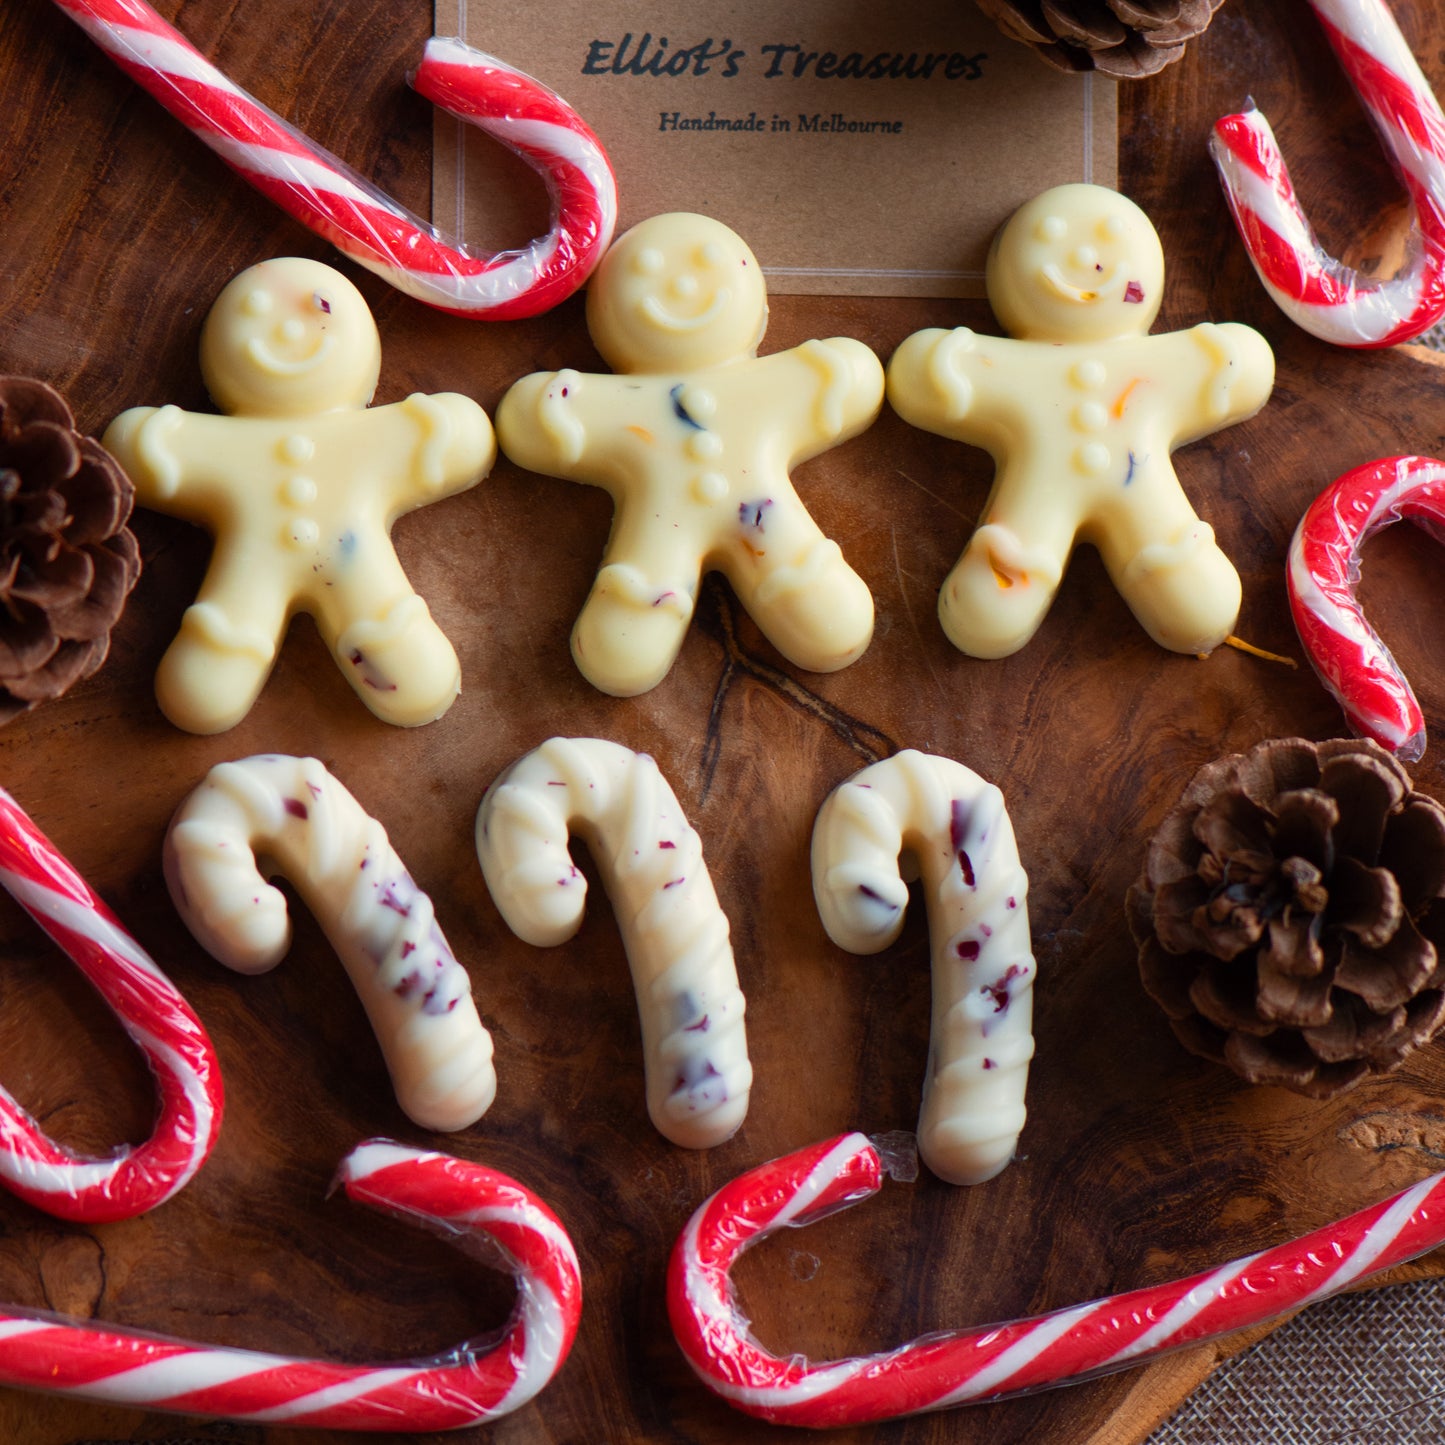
(1314, 290)
(694, 1044)
(957, 1367)
(291, 813)
(325, 194)
(480, 1210)
(981, 1042)
(1323, 573)
(152, 1012)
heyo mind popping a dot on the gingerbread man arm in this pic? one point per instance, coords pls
(169, 454)
(957, 384)
(454, 447)
(546, 423)
(844, 381)
(1238, 375)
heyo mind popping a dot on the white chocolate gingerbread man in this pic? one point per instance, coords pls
(1081, 411)
(300, 483)
(695, 439)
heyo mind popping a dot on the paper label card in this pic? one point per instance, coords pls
(859, 148)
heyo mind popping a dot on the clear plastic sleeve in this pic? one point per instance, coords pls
(486, 1213)
(941, 1370)
(363, 222)
(1323, 573)
(1319, 293)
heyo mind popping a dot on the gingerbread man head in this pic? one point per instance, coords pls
(290, 337)
(1077, 263)
(677, 293)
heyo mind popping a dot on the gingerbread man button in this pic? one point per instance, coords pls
(1081, 409)
(300, 483)
(695, 439)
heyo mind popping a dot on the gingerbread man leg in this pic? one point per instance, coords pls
(633, 623)
(1164, 560)
(219, 662)
(385, 641)
(810, 604)
(1001, 589)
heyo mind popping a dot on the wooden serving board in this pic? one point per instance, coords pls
(1138, 1163)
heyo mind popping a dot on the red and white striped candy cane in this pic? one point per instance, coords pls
(957, 1367)
(321, 192)
(474, 1381)
(1321, 577)
(152, 1012)
(1326, 298)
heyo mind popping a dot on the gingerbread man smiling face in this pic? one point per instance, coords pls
(300, 483)
(1081, 410)
(695, 439)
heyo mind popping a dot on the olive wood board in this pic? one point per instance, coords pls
(1138, 1163)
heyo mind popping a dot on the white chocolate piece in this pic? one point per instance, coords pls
(694, 1043)
(956, 827)
(695, 440)
(300, 485)
(1081, 411)
(273, 814)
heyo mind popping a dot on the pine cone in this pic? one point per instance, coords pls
(1289, 920)
(1124, 38)
(67, 559)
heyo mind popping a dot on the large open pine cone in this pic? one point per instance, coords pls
(1288, 920)
(1126, 38)
(67, 559)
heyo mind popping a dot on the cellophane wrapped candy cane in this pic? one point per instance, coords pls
(1323, 573)
(325, 194)
(480, 1210)
(956, 1367)
(1319, 293)
(149, 1008)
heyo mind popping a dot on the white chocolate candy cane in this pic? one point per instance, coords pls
(325, 194)
(958, 1367)
(1322, 574)
(158, 1019)
(482, 1211)
(1314, 290)
(694, 1043)
(956, 827)
(289, 815)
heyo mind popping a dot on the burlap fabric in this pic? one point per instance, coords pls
(1362, 1369)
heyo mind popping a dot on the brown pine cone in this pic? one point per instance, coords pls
(67, 559)
(1124, 38)
(1289, 919)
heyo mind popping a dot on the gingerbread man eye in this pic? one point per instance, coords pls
(257, 302)
(648, 262)
(1052, 228)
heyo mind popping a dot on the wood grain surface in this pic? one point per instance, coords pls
(1138, 1163)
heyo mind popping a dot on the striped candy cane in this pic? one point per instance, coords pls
(1326, 298)
(474, 1381)
(321, 192)
(187, 1072)
(958, 1367)
(1321, 577)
